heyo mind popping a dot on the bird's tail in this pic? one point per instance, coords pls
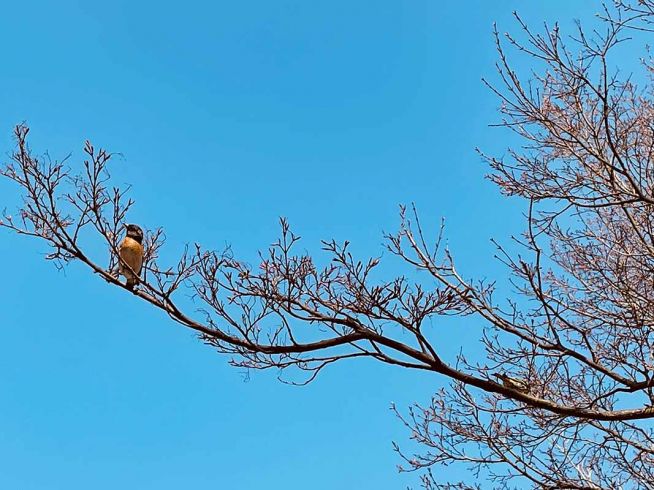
(130, 283)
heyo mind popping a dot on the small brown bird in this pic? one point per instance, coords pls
(513, 383)
(131, 255)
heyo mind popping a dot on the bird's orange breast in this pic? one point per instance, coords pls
(131, 252)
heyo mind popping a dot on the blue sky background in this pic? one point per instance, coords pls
(229, 115)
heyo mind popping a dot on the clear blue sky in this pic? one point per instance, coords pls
(229, 115)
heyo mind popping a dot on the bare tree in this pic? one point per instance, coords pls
(564, 396)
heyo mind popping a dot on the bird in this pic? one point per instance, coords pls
(513, 383)
(130, 251)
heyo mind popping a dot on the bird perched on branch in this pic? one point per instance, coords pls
(513, 383)
(131, 255)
